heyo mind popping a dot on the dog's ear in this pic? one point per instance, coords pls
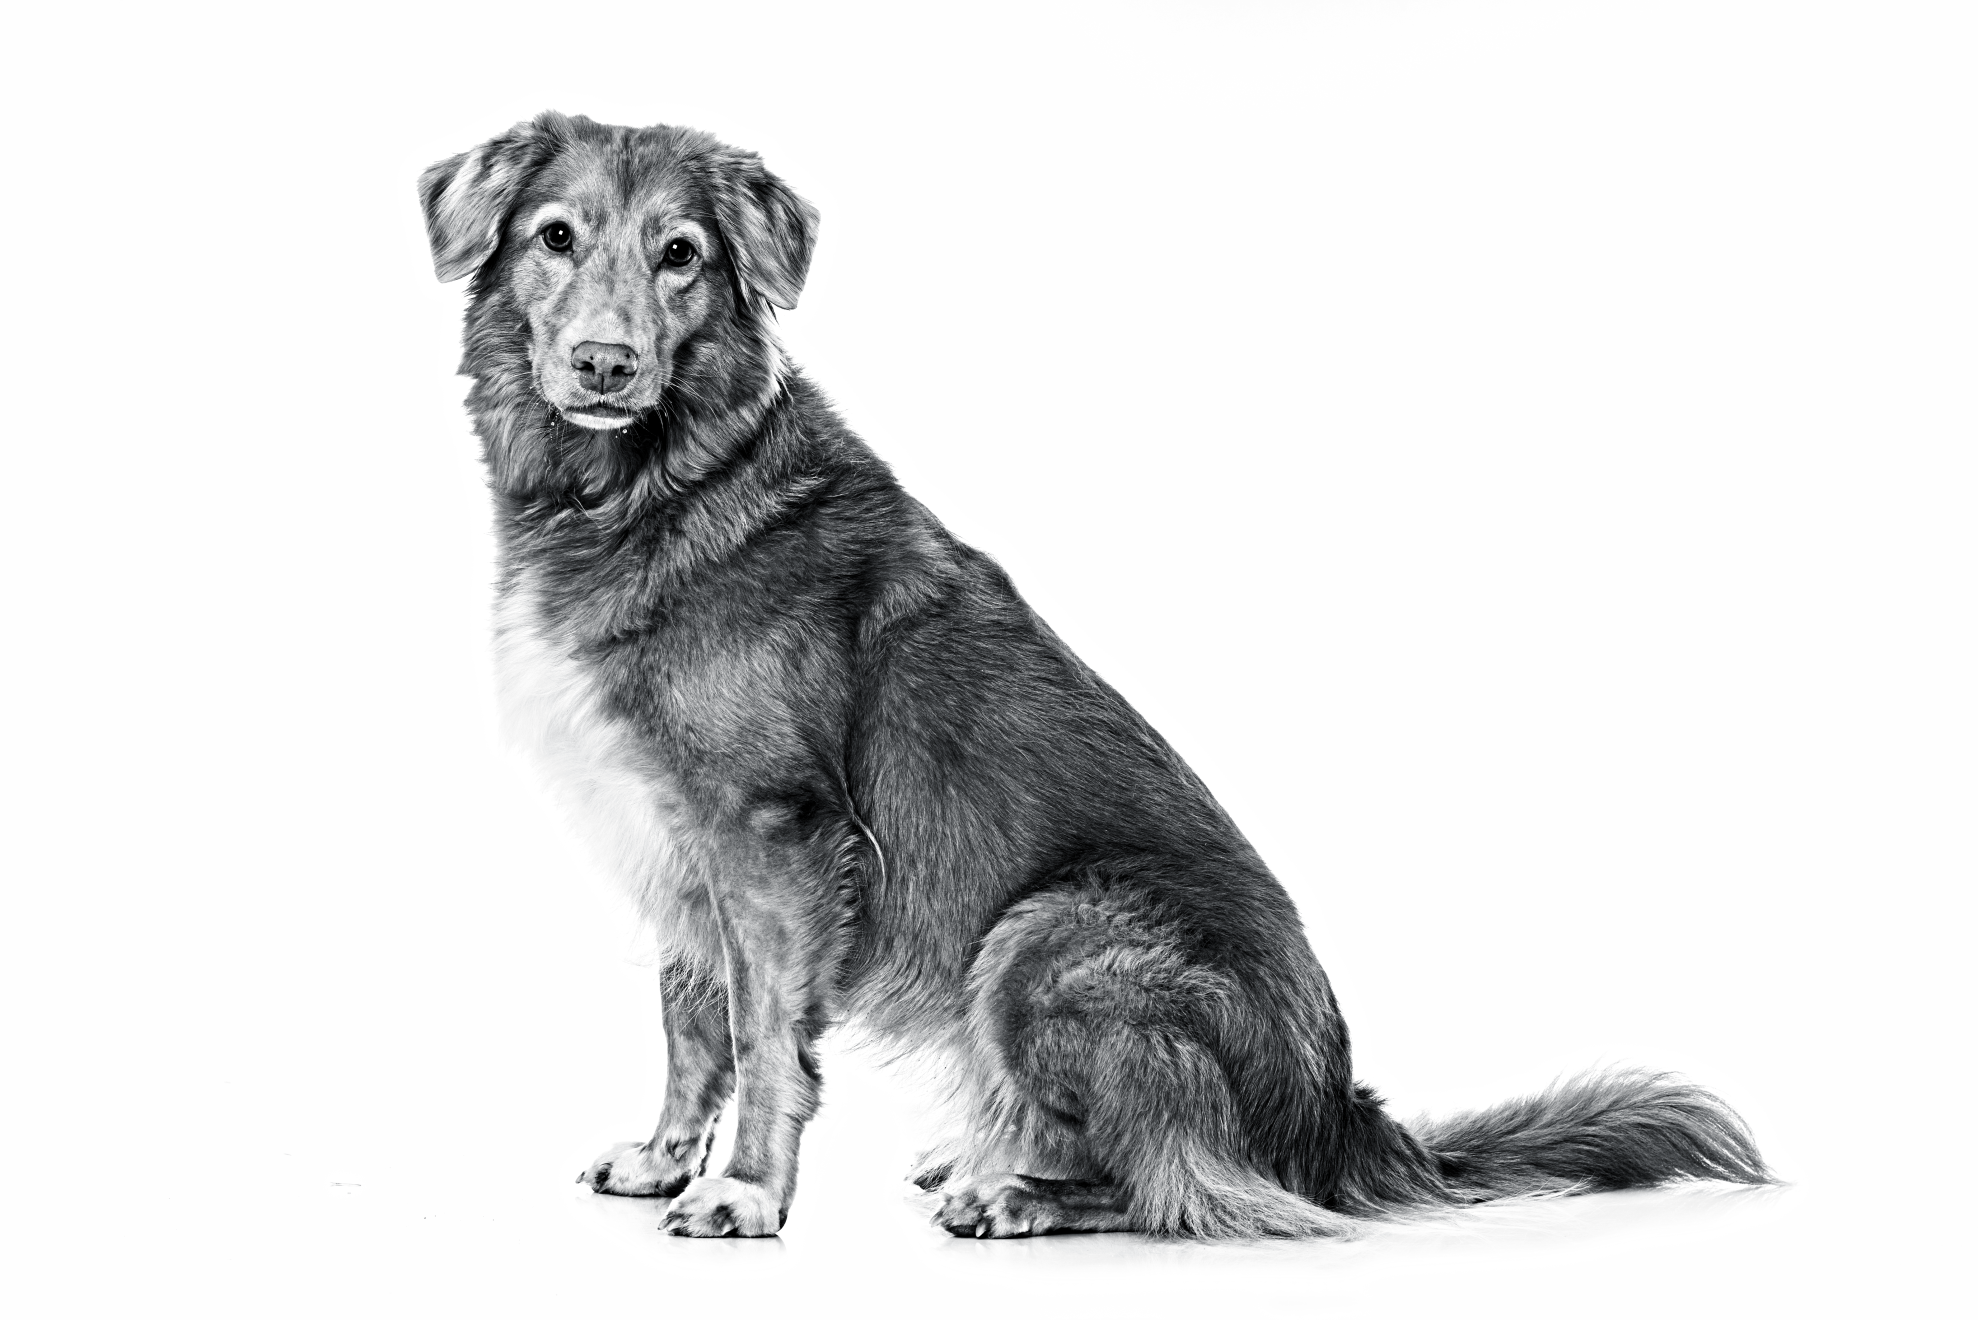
(467, 198)
(769, 230)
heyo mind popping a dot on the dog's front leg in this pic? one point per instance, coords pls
(777, 970)
(700, 1075)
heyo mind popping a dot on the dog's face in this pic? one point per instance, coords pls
(632, 267)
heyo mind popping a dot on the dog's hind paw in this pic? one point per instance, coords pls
(635, 1168)
(723, 1207)
(1006, 1205)
(998, 1206)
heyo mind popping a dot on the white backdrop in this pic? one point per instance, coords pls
(1520, 453)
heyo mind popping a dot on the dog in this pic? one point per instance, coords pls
(849, 776)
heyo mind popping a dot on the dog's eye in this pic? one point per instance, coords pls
(557, 236)
(679, 252)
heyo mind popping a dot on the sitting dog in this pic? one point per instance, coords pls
(850, 776)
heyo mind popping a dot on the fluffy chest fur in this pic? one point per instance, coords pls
(620, 796)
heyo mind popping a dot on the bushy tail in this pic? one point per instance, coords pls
(1598, 1132)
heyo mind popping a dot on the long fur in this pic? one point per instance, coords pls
(850, 776)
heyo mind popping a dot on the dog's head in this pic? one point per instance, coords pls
(623, 269)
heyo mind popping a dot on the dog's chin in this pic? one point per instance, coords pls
(599, 418)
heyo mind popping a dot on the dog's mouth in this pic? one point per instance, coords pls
(600, 416)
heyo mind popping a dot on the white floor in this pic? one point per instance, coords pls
(342, 1127)
(476, 1227)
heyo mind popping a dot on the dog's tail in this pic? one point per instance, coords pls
(1598, 1132)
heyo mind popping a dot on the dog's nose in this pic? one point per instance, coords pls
(604, 367)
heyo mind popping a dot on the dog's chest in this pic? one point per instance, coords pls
(620, 795)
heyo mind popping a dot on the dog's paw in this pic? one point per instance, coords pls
(637, 1168)
(998, 1205)
(723, 1207)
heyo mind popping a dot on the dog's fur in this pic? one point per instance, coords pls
(850, 776)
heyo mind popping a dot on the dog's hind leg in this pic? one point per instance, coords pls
(1107, 1105)
(700, 1076)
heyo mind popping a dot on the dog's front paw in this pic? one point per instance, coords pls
(638, 1168)
(723, 1207)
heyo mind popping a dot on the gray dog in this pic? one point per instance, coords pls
(850, 776)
